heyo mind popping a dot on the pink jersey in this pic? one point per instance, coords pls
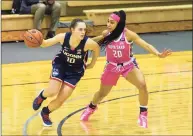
(119, 50)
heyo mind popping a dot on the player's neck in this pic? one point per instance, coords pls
(74, 41)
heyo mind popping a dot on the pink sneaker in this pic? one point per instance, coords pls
(86, 114)
(142, 120)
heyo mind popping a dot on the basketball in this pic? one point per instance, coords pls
(33, 38)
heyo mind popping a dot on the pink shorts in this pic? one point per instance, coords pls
(111, 74)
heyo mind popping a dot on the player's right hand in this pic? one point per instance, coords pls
(89, 66)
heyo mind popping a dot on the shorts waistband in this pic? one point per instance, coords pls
(121, 64)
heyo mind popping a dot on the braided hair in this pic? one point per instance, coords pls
(116, 32)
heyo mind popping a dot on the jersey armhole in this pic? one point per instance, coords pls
(66, 39)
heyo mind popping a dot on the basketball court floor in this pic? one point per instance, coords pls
(169, 83)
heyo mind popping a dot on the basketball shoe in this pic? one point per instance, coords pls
(87, 113)
(38, 101)
(142, 120)
(46, 120)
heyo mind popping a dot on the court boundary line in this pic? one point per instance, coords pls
(59, 128)
(71, 114)
(97, 78)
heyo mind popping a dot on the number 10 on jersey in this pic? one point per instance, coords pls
(70, 60)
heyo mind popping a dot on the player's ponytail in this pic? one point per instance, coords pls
(116, 32)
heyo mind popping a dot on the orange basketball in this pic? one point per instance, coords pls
(33, 38)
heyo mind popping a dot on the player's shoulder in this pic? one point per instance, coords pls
(60, 37)
(90, 44)
(128, 32)
(90, 41)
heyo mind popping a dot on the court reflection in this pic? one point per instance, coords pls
(89, 128)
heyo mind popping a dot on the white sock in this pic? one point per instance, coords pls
(143, 106)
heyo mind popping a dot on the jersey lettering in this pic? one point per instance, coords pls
(72, 55)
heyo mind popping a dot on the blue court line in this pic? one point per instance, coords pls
(27, 122)
(96, 78)
(59, 129)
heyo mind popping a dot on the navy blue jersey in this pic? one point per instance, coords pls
(72, 60)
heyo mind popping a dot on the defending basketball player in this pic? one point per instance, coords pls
(68, 67)
(120, 61)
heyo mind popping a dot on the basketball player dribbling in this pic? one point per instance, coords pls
(120, 61)
(68, 67)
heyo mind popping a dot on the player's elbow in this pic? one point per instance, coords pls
(97, 51)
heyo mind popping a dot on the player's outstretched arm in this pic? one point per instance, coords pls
(97, 38)
(94, 47)
(139, 41)
(100, 37)
(59, 38)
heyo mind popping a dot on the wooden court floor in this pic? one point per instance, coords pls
(169, 83)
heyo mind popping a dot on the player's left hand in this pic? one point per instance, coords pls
(165, 53)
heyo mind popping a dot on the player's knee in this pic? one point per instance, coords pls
(52, 91)
(142, 87)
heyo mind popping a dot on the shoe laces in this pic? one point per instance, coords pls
(90, 110)
(39, 100)
(143, 117)
(46, 117)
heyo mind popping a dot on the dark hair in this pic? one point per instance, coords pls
(116, 32)
(75, 22)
